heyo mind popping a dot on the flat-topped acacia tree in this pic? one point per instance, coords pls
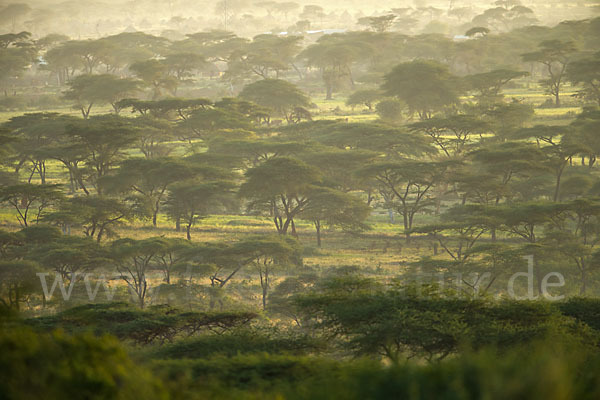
(282, 97)
(280, 187)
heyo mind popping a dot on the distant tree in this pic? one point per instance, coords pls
(378, 24)
(334, 56)
(425, 86)
(16, 39)
(183, 65)
(268, 254)
(264, 56)
(286, 7)
(576, 236)
(555, 55)
(12, 13)
(69, 256)
(278, 95)
(193, 199)
(174, 254)
(366, 97)
(97, 216)
(507, 118)
(13, 62)
(34, 136)
(559, 144)
(488, 85)
(155, 75)
(452, 134)
(586, 71)
(90, 90)
(335, 208)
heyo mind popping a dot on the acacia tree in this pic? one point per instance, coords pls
(576, 234)
(193, 199)
(133, 259)
(524, 221)
(366, 97)
(267, 254)
(378, 24)
(283, 97)
(173, 255)
(265, 56)
(89, 90)
(147, 181)
(101, 142)
(69, 256)
(496, 166)
(96, 215)
(34, 136)
(406, 184)
(425, 86)
(334, 56)
(280, 187)
(459, 229)
(452, 134)
(335, 208)
(488, 85)
(559, 144)
(29, 200)
(155, 75)
(586, 71)
(555, 55)
(17, 280)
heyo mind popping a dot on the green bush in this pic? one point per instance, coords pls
(58, 366)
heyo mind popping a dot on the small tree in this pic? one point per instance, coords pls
(335, 208)
(390, 110)
(365, 97)
(266, 255)
(133, 259)
(193, 199)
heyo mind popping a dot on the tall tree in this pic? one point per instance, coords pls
(555, 55)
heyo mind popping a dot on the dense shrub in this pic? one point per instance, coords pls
(58, 366)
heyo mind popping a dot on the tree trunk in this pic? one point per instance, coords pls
(329, 92)
(318, 228)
